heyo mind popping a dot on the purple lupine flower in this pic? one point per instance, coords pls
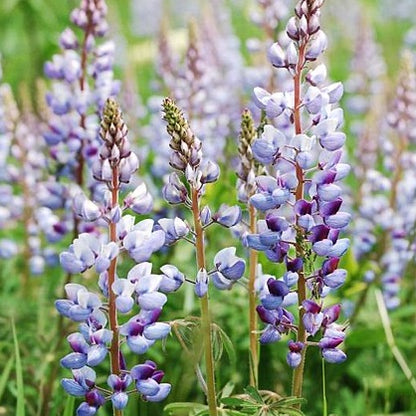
(293, 357)
(93, 401)
(201, 283)
(139, 201)
(148, 381)
(82, 78)
(175, 191)
(300, 193)
(119, 385)
(124, 290)
(90, 350)
(80, 303)
(141, 241)
(172, 279)
(210, 71)
(87, 251)
(227, 216)
(82, 382)
(174, 229)
(140, 289)
(143, 330)
(228, 268)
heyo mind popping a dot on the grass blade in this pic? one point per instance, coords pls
(20, 404)
(69, 406)
(5, 375)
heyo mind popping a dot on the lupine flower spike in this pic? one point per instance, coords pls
(141, 289)
(187, 187)
(301, 198)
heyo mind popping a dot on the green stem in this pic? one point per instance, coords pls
(205, 313)
(254, 354)
(324, 401)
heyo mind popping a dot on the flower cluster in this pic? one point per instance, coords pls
(269, 16)
(187, 159)
(82, 76)
(99, 333)
(11, 206)
(387, 216)
(301, 196)
(187, 186)
(22, 165)
(202, 85)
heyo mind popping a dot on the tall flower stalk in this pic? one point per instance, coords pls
(94, 342)
(385, 227)
(187, 159)
(82, 80)
(300, 196)
(247, 171)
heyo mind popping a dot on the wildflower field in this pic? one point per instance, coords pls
(207, 207)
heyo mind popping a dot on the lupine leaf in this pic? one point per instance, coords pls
(222, 341)
(227, 389)
(20, 405)
(233, 401)
(183, 409)
(253, 393)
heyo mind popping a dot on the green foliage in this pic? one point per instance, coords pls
(263, 403)
(369, 383)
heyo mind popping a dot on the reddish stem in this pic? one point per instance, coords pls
(299, 194)
(115, 343)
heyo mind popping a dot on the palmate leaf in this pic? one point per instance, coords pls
(263, 403)
(188, 333)
(233, 401)
(254, 394)
(221, 342)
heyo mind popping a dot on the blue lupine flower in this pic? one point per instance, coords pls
(148, 381)
(135, 327)
(201, 283)
(119, 385)
(172, 279)
(294, 357)
(334, 355)
(175, 191)
(266, 148)
(174, 229)
(228, 264)
(313, 317)
(210, 172)
(271, 193)
(141, 241)
(85, 208)
(93, 401)
(274, 296)
(124, 289)
(139, 201)
(82, 382)
(227, 216)
(80, 303)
